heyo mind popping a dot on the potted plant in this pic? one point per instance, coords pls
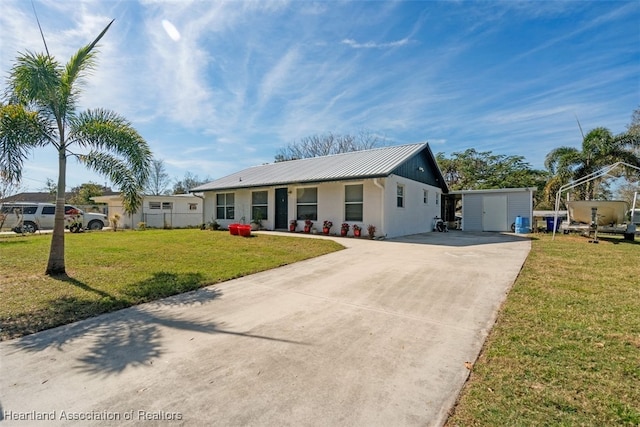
(326, 227)
(292, 225)
(307, 225)
(256, 222)
(371, 229)
(357, 230)
(344, 229)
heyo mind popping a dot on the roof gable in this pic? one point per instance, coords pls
(375, 163)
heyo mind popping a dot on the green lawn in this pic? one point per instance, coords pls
(566, 346)
(109, 271)
(565, 349)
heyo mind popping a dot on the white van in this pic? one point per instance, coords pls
(30, 217)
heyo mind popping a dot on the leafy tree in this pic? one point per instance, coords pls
(41, 109)
(600, 148)
(82, 194)
(474, 170)
(158, 180)
(188, 182)
(324, 145)
(51, 187)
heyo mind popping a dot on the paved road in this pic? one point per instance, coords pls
(376, 334)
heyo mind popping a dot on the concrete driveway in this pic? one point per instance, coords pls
(376, 334)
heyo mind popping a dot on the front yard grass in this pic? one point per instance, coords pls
(566, 346)
(108, 271)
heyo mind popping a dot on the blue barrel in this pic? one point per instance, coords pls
(550, 220)
(522, 225)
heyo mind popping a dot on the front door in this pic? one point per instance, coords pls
(494, 213)
(282, 208)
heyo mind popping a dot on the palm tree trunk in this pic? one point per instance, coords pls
(55, 266)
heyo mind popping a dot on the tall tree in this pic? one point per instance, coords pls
(600, 148)
(480, 170)
(41, 109)
(158, 179)
(51, 187)
(329, 143)
(188, 182)
(82, 194)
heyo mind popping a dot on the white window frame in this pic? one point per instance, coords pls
(193, 206)
(260, 205)
(155, 205)
(357, 202)
(226, 206)
(298, 204)
(425, 196)
(400, 196)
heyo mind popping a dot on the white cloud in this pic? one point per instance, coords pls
(171, 30)
(373, 45)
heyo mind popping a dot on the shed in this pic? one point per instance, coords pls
(495, 209)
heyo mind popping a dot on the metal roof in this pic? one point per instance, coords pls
(378, 162)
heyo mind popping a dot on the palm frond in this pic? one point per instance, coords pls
(117, 150)
(35, 80)
(81, 62)
(121, 175)
(561, 159)
(20, 131)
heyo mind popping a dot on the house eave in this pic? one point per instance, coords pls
(292, 183)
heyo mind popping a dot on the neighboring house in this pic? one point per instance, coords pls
(175, 211)
(495, 210)
(396, 189)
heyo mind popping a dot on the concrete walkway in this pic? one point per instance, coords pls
(376, 334)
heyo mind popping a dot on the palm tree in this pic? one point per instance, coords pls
(40, 110)
(599, 149)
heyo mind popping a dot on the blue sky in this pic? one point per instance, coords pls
(215, 87)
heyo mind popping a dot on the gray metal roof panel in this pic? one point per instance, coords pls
(377, 162)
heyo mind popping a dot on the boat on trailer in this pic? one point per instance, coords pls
(600, 212)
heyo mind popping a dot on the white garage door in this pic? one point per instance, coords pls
(494, 213)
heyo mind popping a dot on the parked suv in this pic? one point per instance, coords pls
(30, 217)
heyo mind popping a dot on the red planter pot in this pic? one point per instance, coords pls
(233, 229)
(343, 232)
(357, 233)
(244, 230)
(307, 229)
(292, 228)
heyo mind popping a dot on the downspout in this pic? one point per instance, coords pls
(382, 202)
(201, 198)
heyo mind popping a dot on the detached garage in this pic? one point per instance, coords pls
(495, 210)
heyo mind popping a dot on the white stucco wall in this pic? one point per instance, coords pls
(331, 206)
(331, 197)
(416, 216)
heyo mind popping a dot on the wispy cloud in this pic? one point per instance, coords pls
(248, 77)
(375, 45)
